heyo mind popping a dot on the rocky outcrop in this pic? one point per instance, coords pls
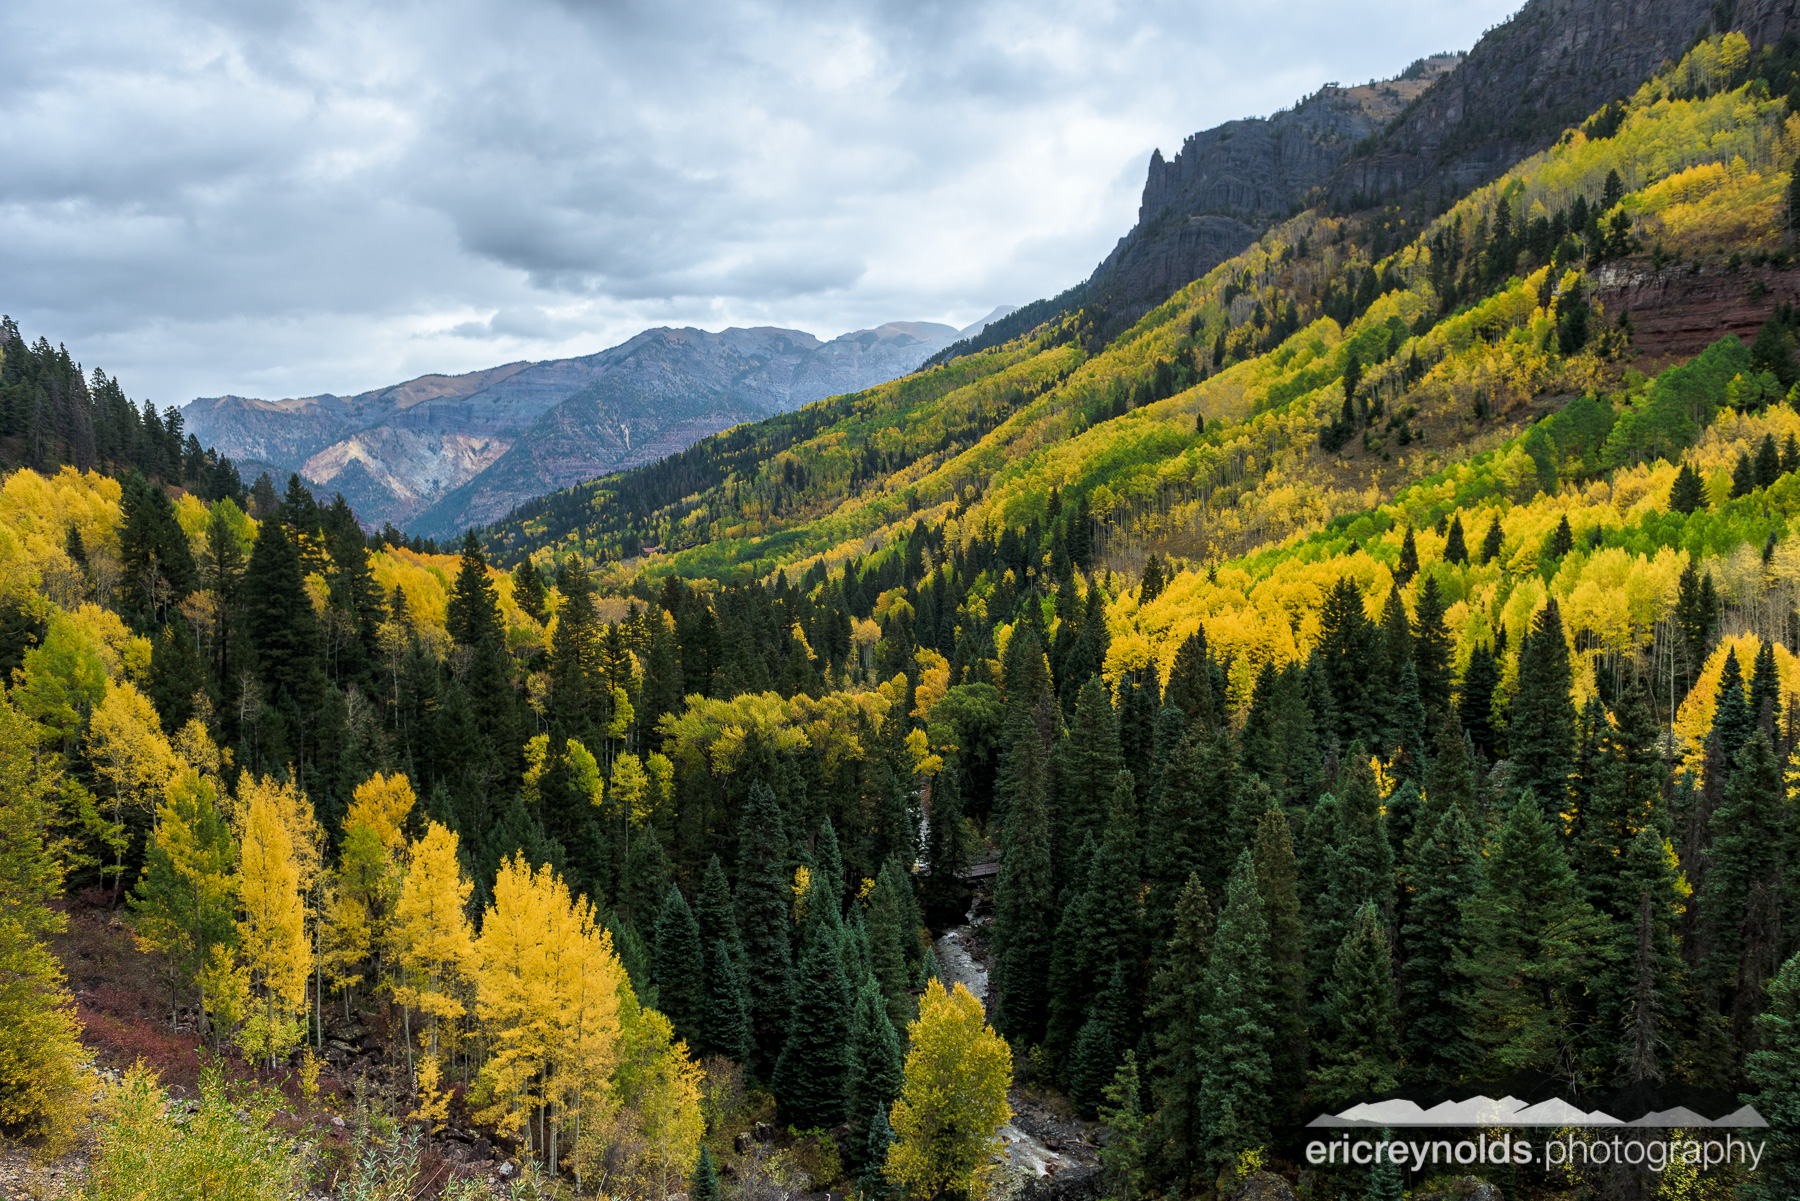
(1677, 312)
(442, 452)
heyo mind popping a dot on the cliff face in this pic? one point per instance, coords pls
(441, 452)
(1226, 184)
(1450, 123)
(1527, 80)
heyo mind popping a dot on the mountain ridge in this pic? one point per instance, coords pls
(419, 453)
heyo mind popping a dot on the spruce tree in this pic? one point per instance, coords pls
(1408, 565)
(705, 1185)
(1178, 1003)
(1741, 904)
(1360, 1051)
(1172, 837)
(876, 1067)
(1641, 989)
(1347, 653)
(1455, 550)
(1774, 1071)
(1111, 906)
(1190, 683)
(1530, 940)
(1358, 865)
(811, 1080)
(1024, 906)
(762, 917)
(886, 929)
(1434, 651)
(1687, 494)
(1406, 730)
(1491, 542)
(1768, 462)
(712, 909)
(1122, 1160)
(1443, 871)
(1277, 882)
(680, 968)
(725, 1013)
(1089, 761)
(1237, 1028)
(1541, 735)
(1475, 706)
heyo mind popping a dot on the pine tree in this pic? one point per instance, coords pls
(1089, 761)
(1642, 988)
(1178, 1003)
(1491, 542)
(278, 615)
(712, 910)
(1408, 566)
(1190, 682)
(1433, 651)
(1112, 905)
(1530, 939)
(1774, 1070)
(705, 1183)
(876, 1069)
(1443, 871)
(1277, 882)
(1767, 468)
(762, 917)
(1541, 734)
(725, 1013)
(1475, 705)
(1743, 477)
(1024, 905)
(811, 1080)
(1172, 839)
(1687, 494)
(1406, 731)
(1347, 653)
(1455, 551)
(1122, 1159)
(1358, 865)
(1237, 1027)
(1740, 905)
(680, 967)
(1361, 1048)
(889, 940)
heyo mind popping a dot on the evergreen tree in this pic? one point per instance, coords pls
(762, 916)
(1741, 906)
(1346, 651)
(1358, 865)
(1172, 835)
(712, 910)
(1178, 1003)
(1434, 651)
(278, 615)
(949, 848)
(1475, 706)
(680, 968)
(705, 1184)
(1743, 477)
(1541, 734)
(876, 1069)
(1774, 1070)
(1642, 989)
(1491, 541)
(725, 1015)
(889, 938)
(1531, 939)
(1024, 905)
(1361, 1050)
(1237, 1027)
(1688, 493)
(1408, 566)
(1768, 462)
(1455, 551)
(1442, 873)
(1190, 682)
(1089, 762)
(1277, 882)
(811, 1080)
(1406, 731)
(1122, 1159)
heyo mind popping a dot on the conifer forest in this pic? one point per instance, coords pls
(1373, 672)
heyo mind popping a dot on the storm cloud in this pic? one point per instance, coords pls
(289, 198)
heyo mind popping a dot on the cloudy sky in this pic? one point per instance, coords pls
(275, 199)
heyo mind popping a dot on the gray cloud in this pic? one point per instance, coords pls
(289, 198)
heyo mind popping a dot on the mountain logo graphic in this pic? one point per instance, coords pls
(1510, 1111)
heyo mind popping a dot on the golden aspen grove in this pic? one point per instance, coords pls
(1370, 671)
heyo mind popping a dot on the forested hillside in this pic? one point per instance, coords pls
(1372, 670)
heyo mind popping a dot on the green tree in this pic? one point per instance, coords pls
(1541, 734)
(1774, 1070)
(725, 1015)
(1455, 550)
(183, 902)
(680, 968)
(1442, 873)
(1740, 906)
(1687, 494)
(1122, 1159)
(1178, 1004)
(762, 916)
(1490, 542)
(1238, 1027)
(1530, 940)
(1277, 882)
(1360, 1052)
(949, 848)
(1024, 905)
(876, 1069)
(811, 1080)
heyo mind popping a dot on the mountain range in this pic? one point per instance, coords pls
(439, 453)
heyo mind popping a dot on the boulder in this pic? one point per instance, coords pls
(1263, 1186)
(1463, 1188)
(1071, 1184)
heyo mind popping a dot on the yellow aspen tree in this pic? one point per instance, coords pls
(295, 812)
(383, 803)
(431, 937)
(953, 1099)
(132, 760)
(272, 930)
(184, 900)
(659, 1084)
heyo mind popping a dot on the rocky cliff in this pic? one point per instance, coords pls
(441, 452)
